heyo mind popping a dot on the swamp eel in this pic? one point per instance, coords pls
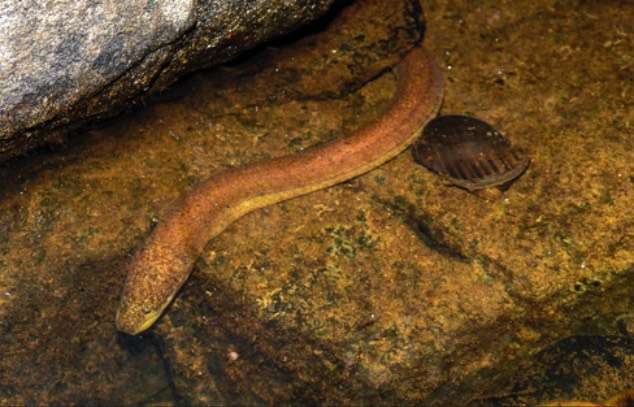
(162, 266)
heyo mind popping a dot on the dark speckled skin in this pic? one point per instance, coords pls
(164, 264)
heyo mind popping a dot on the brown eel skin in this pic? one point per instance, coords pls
(162, 266)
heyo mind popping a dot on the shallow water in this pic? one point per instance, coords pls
(393, 287)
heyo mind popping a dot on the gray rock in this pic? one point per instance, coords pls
(64, 63)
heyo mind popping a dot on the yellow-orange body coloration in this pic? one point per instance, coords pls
(161, 267)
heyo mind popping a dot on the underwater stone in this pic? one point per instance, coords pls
(66, 63)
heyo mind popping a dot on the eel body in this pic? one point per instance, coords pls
(164, 263)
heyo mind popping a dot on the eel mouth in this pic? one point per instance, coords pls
(133, 321)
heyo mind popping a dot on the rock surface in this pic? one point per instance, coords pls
(64, 63)
(391, 289)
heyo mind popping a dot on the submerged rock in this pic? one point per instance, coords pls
(389, 289)
(65, 63)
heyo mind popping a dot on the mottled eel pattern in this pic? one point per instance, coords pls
(160, 268)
